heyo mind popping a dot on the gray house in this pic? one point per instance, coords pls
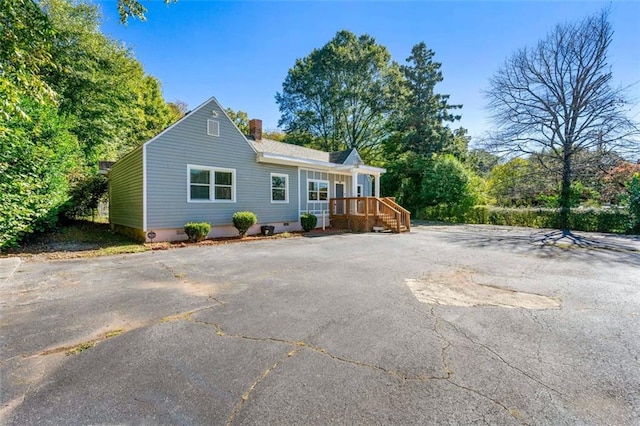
(203, 169)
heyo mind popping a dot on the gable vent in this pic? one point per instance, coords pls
(213, 128)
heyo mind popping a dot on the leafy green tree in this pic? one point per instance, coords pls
(482, 161)
(340, 95)
(240, 119)
(25, 58)
(100, 82)
(439, 180)
(422, 113)
(447, 182)
(178, 109)
(274, 135)
(519, 182)
(38, 158)
(556, 98)
(86, 195)
(69, 96)
(420, 132)
(134, 9)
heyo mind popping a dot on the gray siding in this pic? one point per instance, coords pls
(188, 143)
(367, 185)
(125, 191)
(316, 207)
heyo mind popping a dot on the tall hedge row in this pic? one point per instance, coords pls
(591, 220)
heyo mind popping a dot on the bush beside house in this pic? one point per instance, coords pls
(197, 231)
(242, 221)
(308, 221)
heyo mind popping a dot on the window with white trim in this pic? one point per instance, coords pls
(317, 190)
(211, 184)
(213, 128)
(279, 188)
(360, 188)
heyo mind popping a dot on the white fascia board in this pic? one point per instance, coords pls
(369, 170)
(265, 157)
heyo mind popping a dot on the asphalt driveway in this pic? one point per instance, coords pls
(448, 325)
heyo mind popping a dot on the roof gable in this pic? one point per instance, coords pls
(217, 112)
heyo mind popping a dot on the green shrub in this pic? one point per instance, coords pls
(634, 203)
(197, 231)
(243, 221)
(38, 158)
(86, 194)
(308, 221)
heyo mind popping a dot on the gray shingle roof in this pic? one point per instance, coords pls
(339, 157)
(281, 148)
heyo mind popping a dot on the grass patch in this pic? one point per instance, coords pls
(78, 239)
(81, 347)
(113, 333)
(74, 350)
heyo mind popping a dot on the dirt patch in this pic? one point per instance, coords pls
(459, 289)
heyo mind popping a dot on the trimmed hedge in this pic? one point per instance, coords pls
(590, 220)
(308, 221)
(197, 231)
(243, 221)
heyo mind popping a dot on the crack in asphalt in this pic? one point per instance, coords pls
(238, 407)
(497, 355)
(317, 349)
(443, 352)
(542, 324)
(512, 412)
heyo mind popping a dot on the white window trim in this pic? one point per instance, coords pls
(319, 181)
(286, 188)
(360, 187)
(212, 183)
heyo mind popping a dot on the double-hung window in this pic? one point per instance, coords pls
(279, 188)
(318, 190)
(211, 184)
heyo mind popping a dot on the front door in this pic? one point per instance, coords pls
(339, 194)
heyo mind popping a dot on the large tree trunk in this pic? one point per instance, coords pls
(565, 191)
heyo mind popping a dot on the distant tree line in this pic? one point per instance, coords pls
(562, 137)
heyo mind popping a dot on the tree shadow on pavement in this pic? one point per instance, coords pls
(554, 243)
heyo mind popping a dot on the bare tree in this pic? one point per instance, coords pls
(555, 102)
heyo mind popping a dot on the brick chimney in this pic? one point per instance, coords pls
(255, 129)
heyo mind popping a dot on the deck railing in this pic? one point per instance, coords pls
(363, 213)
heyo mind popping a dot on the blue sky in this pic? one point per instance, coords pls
(240, 52)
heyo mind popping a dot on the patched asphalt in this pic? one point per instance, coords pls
(326, 331)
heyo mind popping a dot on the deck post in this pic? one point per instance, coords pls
(354, 189)
(366, 214)
(377, 186)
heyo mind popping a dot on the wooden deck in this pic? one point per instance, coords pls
(362, 214)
